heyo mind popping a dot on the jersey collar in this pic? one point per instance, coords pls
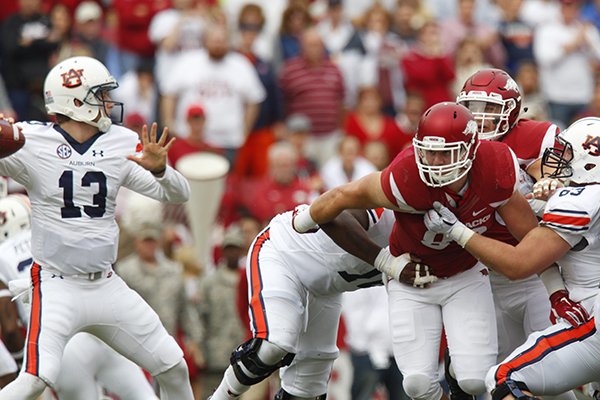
(81, 148)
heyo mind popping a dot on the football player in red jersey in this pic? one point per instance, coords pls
(522, 306)
(475, 179)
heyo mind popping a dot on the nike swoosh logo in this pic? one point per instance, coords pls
(476, 213)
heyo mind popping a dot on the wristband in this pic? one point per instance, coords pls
(461, 234)
(552, 279)
(303, 221)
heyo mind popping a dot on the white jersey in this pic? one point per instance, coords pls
(574, 214)
(71, 183)
(320, 264)
(15, 263)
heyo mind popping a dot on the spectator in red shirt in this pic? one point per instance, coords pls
(312, 85)
(194, 142)
(427, 69)
(133, 20)
(368, 123)
(281, 190)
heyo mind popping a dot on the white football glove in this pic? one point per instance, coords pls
(302, 222)
(404, 269)
(441, 220)
(545, 188)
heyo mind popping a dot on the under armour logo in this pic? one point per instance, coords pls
(98, 153)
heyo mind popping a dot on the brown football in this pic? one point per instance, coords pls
(11, 138)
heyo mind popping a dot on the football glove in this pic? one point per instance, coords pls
(565, 308)
(404, 269)
(302, 221)
(441, 220)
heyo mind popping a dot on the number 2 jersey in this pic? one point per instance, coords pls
(73, 187)
(492, 180)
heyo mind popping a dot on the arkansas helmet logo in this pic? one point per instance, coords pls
(471, 128)
(72, 78)
(511, 85)
(592, 145)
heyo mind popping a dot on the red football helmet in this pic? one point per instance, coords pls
(494, 99)
(445, 143)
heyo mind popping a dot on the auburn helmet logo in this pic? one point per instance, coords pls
(592, 145)
(72, 78)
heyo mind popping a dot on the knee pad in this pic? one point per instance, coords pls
(513, 388)
(283, 395)
(473, 387)
(256, 359)
(420, 387)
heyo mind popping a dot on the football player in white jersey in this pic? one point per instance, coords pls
(295, 286)
(562, 356)
(87, 362)
(72, 171)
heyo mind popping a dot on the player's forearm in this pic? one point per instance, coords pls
(501, 257)
(176, 188)
(348, 233)
(344, 197)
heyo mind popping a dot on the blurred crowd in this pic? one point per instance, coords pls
(299, 96)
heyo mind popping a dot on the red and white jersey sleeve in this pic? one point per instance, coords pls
(574, 214)
(529, 139)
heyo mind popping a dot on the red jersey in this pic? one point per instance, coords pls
(527, 139)
(492, 180)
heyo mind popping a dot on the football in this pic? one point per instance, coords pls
(11, 138)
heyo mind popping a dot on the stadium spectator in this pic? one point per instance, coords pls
(367, 122)
(408, 117)
(534, 103)
(174, 31)
(468, 59)
(376, 153)
(222, 329)
(138, 90)
(88, 31)
(516, 35)
(225, 83)
(313, 85)
(564, 51)
(252, 159)
(428, 70)
(26, 48)
(347, 166)
(294, 21)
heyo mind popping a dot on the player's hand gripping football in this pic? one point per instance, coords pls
(405, 268)
(441, 220)
(565, 308)
(154, 151)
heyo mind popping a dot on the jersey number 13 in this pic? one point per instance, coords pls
(70, 210)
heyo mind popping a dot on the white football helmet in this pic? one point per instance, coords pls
(76, 88)
(15, 216)
(576, 158)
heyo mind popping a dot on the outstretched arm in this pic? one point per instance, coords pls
(363, 193)
(349, 231)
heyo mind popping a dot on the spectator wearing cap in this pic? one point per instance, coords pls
(565, 51)
(194, 142)
(313, 85)
(217, 307)
(88, 30)
(160, 282)
(226, 85)
(252, 158)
